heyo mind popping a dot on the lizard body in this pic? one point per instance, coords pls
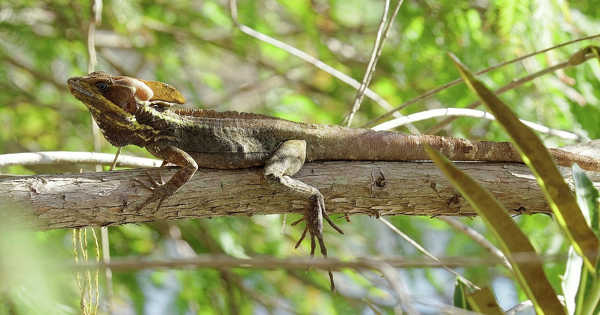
(234, 140)
(134, 111)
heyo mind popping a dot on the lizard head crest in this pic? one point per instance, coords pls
(113, 101)
(123, 91)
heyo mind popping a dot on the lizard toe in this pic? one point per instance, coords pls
(144, 185)
(301, 237)
(160, 192)
(154, 184)
(333, 225)
(312, 245)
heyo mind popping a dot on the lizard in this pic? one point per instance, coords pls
(146, 114)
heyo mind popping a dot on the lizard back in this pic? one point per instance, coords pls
(231, 140)
(237, 140)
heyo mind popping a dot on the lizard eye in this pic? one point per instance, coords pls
(102, 86)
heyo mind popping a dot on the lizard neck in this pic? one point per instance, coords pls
(120, 130)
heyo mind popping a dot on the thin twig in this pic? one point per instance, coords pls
(203, 236)
(106, 250)
(39, 75)
(457, 81)
(271, 263)
(67, 157)
(379, 40)
(467, 112)
(118, 68)
(426, 252)
(183, 36)
(521, 307)
(91, 41)
(478, 238)
(445, 308)
(395, 281)
(96, 12)
(114, 163)
(107, 271)
(381, 301)
(513, 84)
(96, 286)
(91, 67)
(312, 60)
(200, 234)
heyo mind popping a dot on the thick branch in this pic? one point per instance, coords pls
(373, 188)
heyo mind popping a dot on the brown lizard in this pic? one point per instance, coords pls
(143, 113)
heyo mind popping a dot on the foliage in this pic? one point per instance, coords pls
(196, 47)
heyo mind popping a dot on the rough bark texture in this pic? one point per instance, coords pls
(372, 188)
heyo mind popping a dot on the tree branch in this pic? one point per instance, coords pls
(372, 188)
(70, 157)
(225, 262)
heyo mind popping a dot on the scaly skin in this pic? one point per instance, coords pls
(134, 111)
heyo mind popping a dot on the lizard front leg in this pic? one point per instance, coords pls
(285, 162)
(162, 191)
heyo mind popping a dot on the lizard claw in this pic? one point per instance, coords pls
(314, 220)
(314, 226)
(159, 191)
(153, 183)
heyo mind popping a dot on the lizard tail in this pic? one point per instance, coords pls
(364, 144)
(566, 158)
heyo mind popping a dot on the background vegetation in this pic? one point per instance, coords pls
(196, 47)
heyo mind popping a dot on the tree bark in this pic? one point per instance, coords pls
(372, 188)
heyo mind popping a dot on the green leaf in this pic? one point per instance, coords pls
(529, 272)
(538, 159)
(460, 295)
(580, 288)
(587, 198)
(483, 301)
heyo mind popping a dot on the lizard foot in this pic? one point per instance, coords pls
(159, 190)
(314, 226)
(314, 218)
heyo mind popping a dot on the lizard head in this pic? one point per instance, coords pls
(99, 89)
(113, 100)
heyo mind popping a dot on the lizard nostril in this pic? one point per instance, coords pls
(71, 81)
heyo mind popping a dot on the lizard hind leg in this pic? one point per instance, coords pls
(286, 161)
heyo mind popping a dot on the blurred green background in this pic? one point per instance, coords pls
(195, 46)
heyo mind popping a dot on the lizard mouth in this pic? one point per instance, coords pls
(104, 110)
(84, 91)
(76, 87)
